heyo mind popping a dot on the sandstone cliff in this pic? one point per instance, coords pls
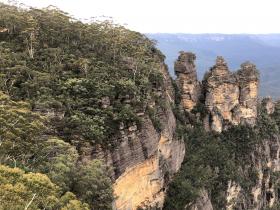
(221, 95)
(144, 159)
(230, 98)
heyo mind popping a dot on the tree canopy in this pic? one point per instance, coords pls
(65, 84)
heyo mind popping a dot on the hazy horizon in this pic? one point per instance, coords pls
(177, 16)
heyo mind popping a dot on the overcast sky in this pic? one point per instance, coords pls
(174, 16)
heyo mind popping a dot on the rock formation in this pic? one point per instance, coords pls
(187, 79)
(146, 159)
(264, 193)
(221, 95)
(122, 107)
(248, 82)
(229, 98)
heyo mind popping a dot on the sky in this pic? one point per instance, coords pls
(177, 16)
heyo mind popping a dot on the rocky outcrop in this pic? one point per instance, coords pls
(264, 193)
(248, 82)
(221, 95)
(143, 185)
(144, 159)
(233, 191)
(229, 98)
(263, 171)
(187, 79)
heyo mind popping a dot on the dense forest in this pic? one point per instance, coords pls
(68, 86)
(64, 84)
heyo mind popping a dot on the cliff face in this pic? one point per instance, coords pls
(248, 82)
(144, 159)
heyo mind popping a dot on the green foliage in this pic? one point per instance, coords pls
(20, 132)
(154, 118)
(209, 165)
(49, 58)
(22, 145)
(241, 140)
(64, 82)
(20, 190)
(266, 124)
(213, 159)
(201, 109)
(69, 202)
(276, 114)
(177, 93)
(93, 186)
(276, 206)
(57, 159)
(275, 179)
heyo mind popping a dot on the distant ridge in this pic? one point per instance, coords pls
(261, 49)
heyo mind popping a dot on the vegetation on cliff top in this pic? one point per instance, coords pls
(65, 84)
(57, 62)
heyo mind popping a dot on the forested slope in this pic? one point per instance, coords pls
(91, 119)
(64, 85)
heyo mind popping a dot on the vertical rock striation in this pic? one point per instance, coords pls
(231, 98)
(187, 79)
(147, 160)
(248, 82)
(221, 95)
